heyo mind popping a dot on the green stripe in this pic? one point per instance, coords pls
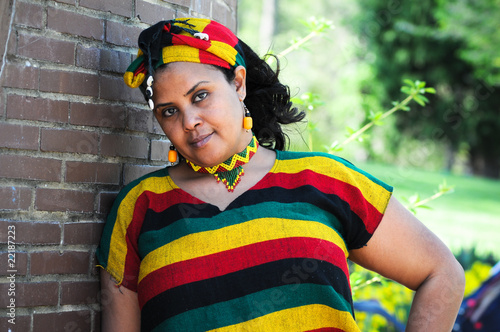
(152, 240)
(288, 155)
(135, 64)
(258, 304)
(102, 252)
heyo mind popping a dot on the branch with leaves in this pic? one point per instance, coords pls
(316, 26)
(415, 90)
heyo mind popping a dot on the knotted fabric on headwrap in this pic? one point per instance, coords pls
(184, 39)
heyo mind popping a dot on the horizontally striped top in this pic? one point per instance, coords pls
(274, 260)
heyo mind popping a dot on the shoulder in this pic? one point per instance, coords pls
(144, 183)
(329, 165)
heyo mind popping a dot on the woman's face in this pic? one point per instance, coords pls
(200, 111)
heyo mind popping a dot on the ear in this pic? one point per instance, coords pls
(240, 75)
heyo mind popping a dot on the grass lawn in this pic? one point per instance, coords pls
(467, 217)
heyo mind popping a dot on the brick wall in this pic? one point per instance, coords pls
(71, 135)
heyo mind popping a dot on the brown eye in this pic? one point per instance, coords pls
(200, 96)
(168, 112)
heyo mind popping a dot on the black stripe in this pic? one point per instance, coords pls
(354, 230)
(238, 284)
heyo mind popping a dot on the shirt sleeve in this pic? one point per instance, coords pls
(366, 199)
(118, 251)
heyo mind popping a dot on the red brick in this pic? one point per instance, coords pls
(98, 115)
(120, 34)
(124, 146)
(70, 321)
(151, 13)
(64, 200)
(38, 109)
(97, 322)
(52, 262)
(15, 198)
(75, 24)
(23, 323)
(142, 120)
(40, 47)
(119, 7)
(132, 172)
(21, 76)
(62, 140)
(159, 150)
(21, 263)
(31, 294)
(15, 136)
(31, 168)
(113, 88)
(82, 233)
(69, 82)
(220, 12)
(106, 200)
(35, 232)
(79, 292)
(84, 172)
(100, 59)
(185, 3)
(29, 14)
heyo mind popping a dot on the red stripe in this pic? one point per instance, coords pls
(326, 329)
(215, 32)
(214, 265)
(162, 201)
(191, 41)
(157, 204)
(328, 185)
(211, 59)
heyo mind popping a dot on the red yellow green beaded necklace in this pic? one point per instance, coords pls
(231, 170)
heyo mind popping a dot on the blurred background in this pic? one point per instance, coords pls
(448, 149)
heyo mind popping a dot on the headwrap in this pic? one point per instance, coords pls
(196, 40)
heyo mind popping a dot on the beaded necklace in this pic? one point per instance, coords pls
(231, 170)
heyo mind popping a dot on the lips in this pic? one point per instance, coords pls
(201, 140)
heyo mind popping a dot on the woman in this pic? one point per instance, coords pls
(241, 235)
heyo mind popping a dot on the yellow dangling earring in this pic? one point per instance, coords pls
(247, 120)
(172, 154)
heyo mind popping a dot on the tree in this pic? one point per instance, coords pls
(420, 40)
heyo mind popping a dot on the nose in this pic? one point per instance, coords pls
(191, 119)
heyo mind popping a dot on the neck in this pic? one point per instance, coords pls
(230, 170)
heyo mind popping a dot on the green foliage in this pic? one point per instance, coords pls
(414, 201)
(397, 299)
(316, 27)
(475, 25)
(414, 90)
(452, 45)
(393, 297)
(310, 102)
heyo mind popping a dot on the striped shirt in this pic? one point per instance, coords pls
(274, 260)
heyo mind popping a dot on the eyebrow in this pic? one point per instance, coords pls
(194, 87)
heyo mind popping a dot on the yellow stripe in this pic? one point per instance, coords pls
(179, 53)
(199, 24)
(305, 318)
(118, 244)
(375, 194)
(224, 51)
(235, 236)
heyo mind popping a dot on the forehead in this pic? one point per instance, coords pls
(186, 72)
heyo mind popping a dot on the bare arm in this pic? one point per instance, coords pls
(120, 307)
(404, 250)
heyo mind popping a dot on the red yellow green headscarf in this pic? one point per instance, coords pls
(184, 39)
